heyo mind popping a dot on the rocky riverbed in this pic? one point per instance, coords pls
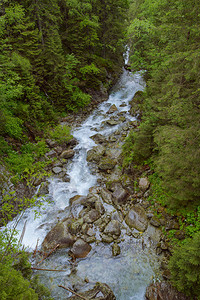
(100, 222)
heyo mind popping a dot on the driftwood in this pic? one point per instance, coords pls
(22, 234)
(53, 270)
(71, 291)
(48, 254)
(35, 251)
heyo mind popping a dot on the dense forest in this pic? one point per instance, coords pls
(54, 55)
(164, 41)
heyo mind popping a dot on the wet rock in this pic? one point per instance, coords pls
(96, 153)
(66, 178)
(99, 207)
(106, 196)
(99, 138)
(44, 189)
(120, 195)
(116, 249)
(112, 122)
(73, 142)
(163, 291)
(112, 109)
(113, 228)
(136, 218)
(80, 249)
(76, 226)
(78, 200)
(101, 291)
(144, 184)
(67, 154)
(90, 232)
(107, 164)
(90, 239)
(59, 235)
(106, 239)
(91, 216)
(112, 139)
(57, 170)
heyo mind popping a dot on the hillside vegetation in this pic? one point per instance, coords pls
(164, 42)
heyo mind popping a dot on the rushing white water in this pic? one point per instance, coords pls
(128, 274)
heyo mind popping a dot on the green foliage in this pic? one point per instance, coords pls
(185, 266)
(158, 193)
(14, 286)
(61, 134)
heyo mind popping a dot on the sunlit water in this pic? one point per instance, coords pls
(128, 274)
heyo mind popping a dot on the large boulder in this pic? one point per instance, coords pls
(96, 153)
(106, 195)
(91, 216)
(163, 291)
(113, 228)
(107, 164)
(59, 235)
(112, 122)
(67, 153)
(136, 218)
(99, 138)
(120, 195)
(112, 109)
(80, 249)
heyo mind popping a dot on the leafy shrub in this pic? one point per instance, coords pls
(14, 286)
(13, 127)
(60, 134)
(185, 266)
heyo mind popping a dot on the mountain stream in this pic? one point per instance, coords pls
(129, 273)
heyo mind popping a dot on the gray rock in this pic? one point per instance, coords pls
(113, 228)
(144, 184)
(136, 218)
(106, 196)
(80, 249)
(96, 153)
(91, 216)
(120, 195)
(51, 153)
(107, 164)
(112, 122)
(112, 109)
(99, 138)
(67, 154)
(51, 143)
(59, 235)
(76, 226)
